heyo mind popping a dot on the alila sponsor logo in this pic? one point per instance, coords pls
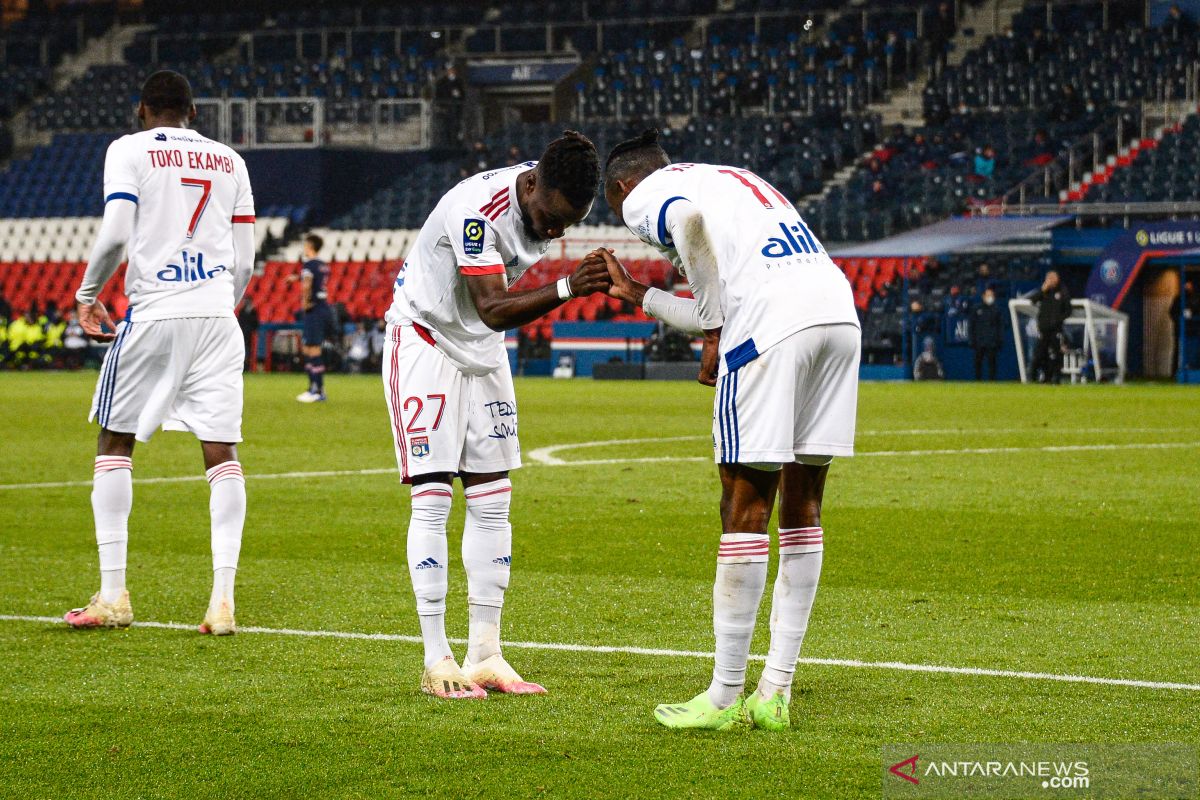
(192, 270)
(1052, 774)
(797, 240)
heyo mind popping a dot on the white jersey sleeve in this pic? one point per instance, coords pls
(122, 173)
(243, 203)
(473, 240)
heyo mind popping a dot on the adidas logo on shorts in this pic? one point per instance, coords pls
(505, 560)
(429, 563)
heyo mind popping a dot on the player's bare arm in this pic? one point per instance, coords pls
(501, 309)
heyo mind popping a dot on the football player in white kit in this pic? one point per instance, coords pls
(450, 393)
(781, 344)
(182, 205)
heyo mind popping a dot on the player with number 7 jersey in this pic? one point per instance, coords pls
(181, 205)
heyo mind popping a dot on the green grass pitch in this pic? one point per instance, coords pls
(1078, 560)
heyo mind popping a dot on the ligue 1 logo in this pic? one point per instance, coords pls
(1142, 238)
(473, 237)
(1110, 272)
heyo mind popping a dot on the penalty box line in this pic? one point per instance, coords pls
(665, 653)
(544, 458)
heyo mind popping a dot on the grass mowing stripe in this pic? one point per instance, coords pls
(650, 651)
(556, 462)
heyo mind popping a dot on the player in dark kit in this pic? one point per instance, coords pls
(318, 318)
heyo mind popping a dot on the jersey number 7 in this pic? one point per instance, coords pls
(205, 188)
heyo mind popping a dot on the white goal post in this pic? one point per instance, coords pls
(1105, 330)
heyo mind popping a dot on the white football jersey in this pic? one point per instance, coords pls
(775, 277)
(476, 229)
(189, 191)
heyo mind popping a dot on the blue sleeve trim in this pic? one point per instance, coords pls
(122, 196)
(741, 355)
(664, 238)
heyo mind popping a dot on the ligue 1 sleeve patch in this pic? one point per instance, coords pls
(473, 237)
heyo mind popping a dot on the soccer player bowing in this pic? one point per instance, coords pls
(182, 206)
(781, 344)
(449, 391)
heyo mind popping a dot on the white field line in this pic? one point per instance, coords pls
(652, 651)
(544, 457)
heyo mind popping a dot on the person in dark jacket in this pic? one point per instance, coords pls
(986, 334)
(1054, 306)
(248, 321)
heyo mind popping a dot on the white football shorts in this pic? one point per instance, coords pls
(799, 398)
(180, 374)
(443, 420)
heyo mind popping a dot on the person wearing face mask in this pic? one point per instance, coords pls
(985, 333)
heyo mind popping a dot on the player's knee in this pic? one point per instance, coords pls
(488, 503)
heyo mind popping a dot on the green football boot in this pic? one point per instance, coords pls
(699, 713)
(771, 714)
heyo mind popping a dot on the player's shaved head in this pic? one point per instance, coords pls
(629, 162)
(167, 92)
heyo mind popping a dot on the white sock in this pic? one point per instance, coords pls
(741, 578)
(427, 557)
(112, 500)
(800, 554)
(487, 555)
(227, 508)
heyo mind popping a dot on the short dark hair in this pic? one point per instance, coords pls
(572, 166)
(167, 91)
(635, 157)
(314, 241)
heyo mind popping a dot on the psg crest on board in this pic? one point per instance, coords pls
(420, 446)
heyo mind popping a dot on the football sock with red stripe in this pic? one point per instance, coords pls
(227, 510)
(487, 555)
(741, 578)
(800, 554)
(427, 564)
(112, 500)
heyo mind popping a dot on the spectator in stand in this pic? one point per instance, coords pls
(51, 315)
(986, 334)
(882, 302)
(1179, 23)
(985, 163)
(4, 351)
(248, 321)
(938, 32)
(5, 307)
(478, 160)
(1040, 151)
(1054, 306)
(514, 156)
(75, 342)
(1070, 106)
